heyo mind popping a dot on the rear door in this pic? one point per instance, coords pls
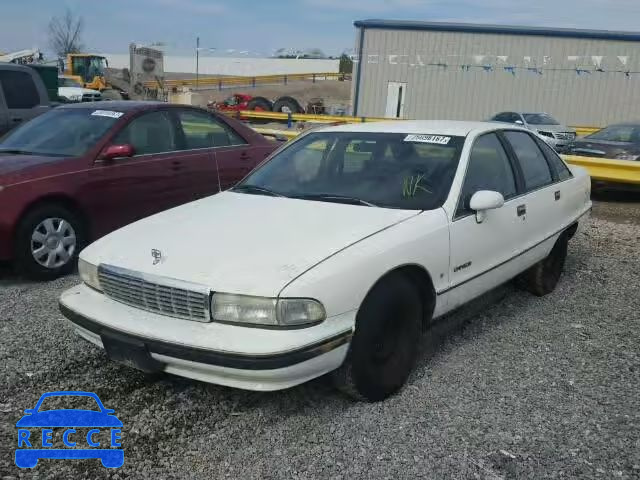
(4, 115)
(485, 254)
(124, 190)
(235, 157)
(542, 202)
(20, 95)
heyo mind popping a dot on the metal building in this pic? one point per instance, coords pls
(427, 70)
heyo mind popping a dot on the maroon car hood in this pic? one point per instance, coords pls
(18, 163)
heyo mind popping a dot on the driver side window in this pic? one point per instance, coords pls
(489, 168)
(149, 133)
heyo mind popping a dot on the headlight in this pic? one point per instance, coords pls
(627, 156)
(287, 312)
(89, 274)
(546, 134)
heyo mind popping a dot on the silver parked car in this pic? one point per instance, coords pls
(548, 128)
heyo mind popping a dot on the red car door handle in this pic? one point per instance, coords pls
(175, 166)
(245, 156)
(521, 210)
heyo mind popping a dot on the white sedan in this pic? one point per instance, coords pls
(332, 256)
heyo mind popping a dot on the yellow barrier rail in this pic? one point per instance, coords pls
(617, 171)
(222, 82)
(278, 134)
(305, 117)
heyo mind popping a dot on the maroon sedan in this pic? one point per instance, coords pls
(81, 171)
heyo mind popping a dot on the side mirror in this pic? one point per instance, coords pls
(519, 122)
(117, 151)
(484, 200)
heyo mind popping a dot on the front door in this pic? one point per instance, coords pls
(484, 255)
(396, 94)
(124, 190)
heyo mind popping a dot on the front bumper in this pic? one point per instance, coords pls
(270, 359)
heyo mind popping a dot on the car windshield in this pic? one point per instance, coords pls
(617, 133)
(539, 119)
(59, 132)
(390, 170)
(69, 402)
(68, 82)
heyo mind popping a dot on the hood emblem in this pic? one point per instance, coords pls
(157, 256)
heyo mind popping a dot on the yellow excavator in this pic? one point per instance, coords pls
(89, 70)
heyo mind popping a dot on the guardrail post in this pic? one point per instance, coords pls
(253, 82)
(220, 85)
(362, 119)
(289, 119)
(285, 79)
(237, 114)
(314, 78)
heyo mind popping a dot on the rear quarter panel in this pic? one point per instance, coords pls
(342, 281)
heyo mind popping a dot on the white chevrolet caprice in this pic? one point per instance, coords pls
(334, 256)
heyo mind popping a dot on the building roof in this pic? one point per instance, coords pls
(433, 127)
(503, 29)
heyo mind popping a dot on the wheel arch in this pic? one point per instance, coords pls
(57, 199)
(420, 277)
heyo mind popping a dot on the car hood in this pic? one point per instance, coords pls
(240, 243)
(18, 163)
(64, 91)
(552, 128)
(603, 148)
(69, 418)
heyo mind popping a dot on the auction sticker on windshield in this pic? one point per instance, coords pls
(56, 428)
(438, 139)
(107, 113)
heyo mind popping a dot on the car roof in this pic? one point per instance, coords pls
(119, 105)
(440, 127)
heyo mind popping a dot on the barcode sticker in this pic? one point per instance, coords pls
(438, 139)
(107, 113)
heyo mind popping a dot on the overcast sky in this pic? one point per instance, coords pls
(265, 25)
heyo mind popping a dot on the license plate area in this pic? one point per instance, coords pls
(130, 352)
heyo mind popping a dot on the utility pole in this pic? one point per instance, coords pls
(197, 61)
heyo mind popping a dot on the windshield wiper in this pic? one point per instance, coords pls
(329, 197)
(255, 189)
(13, 151)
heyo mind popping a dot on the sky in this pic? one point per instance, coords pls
(262, 26)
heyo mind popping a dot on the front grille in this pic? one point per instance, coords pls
(565, 135)
(91, 97)
(165, 296)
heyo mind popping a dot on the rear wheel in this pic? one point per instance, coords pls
(385, 345)
(542, 278)
(260, 103)
(47, 242)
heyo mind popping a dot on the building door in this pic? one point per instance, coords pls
(396, 94)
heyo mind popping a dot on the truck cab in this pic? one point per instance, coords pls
(23, 95)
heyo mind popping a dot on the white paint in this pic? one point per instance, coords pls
(335, 253)
(235, 66)
(107, 113)
(438, 139)
(396, 94)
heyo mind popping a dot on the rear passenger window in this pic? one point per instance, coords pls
(19, 89)
(489, 169)
(532, 161)
(201, 130)
(556, 162)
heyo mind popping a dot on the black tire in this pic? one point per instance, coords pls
(261, 103)
(542, 278)
(25, 261)
(286, 105)
(385, 345)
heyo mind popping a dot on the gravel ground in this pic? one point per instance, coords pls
(522, 387)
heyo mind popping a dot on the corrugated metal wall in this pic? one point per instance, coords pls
(450, 92)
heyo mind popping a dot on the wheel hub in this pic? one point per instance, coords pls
(53, 242)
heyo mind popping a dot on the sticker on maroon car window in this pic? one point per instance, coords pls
(107, 113)
(438, 139)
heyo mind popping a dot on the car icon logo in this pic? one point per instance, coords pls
(69, 433)
(157, 256)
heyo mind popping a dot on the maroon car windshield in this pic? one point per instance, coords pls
(61, 132)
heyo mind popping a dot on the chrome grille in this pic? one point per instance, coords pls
(155, 294)
(565, 135)
(91, 97)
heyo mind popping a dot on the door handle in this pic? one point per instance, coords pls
(176, 166)
(244, 156)
(16, 120)
(556, 195)
(521, 210)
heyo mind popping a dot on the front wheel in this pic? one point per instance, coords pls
(385, 345)
(47, 242)
(542, 278)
